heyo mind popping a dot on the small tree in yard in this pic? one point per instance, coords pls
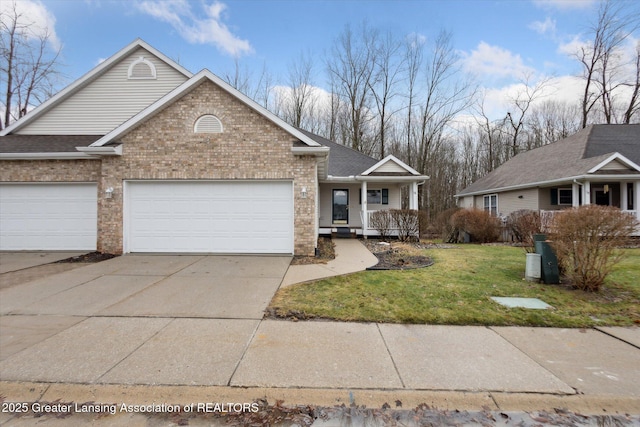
(382, 222)
(523, 224)
(586, 240)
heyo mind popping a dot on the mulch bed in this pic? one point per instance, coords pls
(88, 258)
(396, 256)
(326, 252)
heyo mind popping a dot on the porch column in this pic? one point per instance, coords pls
(575, 195)
(636, 198)
(624, 200)
(586, 193)
(413, 195)
(363, 204)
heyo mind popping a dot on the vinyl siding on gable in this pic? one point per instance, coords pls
(108, 101)
(390, 167)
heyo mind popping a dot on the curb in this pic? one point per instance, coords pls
(370, 398)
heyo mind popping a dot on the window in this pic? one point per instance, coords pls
(491, 204)
(377, 196)
(561, 196)
(565, 196)
(208, 124)
(142, 68)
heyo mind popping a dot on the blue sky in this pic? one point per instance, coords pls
(499, 40)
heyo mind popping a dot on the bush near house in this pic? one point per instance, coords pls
(381, 221)
(479, 224)
(586, 240)
(522, 225)
(407, 222)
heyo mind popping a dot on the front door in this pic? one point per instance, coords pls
(340, 207)
(602, 197)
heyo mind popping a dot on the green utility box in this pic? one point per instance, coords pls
(550, 272)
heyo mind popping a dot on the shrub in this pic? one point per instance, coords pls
(406, 221)
(585, 240)
(444, 227)
(523, 224)
(481, 226)
(382, 222)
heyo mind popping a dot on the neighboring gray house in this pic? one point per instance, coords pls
(141, 155)
(598, 165)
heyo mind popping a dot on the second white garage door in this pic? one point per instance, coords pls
(209, 216)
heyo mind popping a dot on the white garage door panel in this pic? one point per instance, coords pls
(206, 216)
(48, 216)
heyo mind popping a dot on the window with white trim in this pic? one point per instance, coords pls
(141, 69)
(208, 124)
(565, 196)
(491, 204)
(377, 196)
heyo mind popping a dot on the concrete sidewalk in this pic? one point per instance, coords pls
(351, 256)
(95, 347)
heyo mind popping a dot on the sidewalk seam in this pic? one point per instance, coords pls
(575, 391)
(391, 356)
(597, 328)
(134, 350)
(244, 352)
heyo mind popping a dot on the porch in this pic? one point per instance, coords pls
(344, 209)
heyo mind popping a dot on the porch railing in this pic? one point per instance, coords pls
(546, 217)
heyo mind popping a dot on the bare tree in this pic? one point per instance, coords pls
(352, 67)
(300, 90)
(614, 23)
(258, 89)
(414, 49)
(521, 103)
(29, 64)
(388, 68)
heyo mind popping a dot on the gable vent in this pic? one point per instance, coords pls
(142, 68)
(208, 124)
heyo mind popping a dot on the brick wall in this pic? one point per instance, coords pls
(49, 170)
(165, 147)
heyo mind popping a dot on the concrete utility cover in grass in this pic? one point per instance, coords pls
(534, 303)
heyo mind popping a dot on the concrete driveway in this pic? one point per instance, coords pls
(238, 287)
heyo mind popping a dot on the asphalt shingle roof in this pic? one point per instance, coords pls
(45, 143)
(343, 161)
(571, 156)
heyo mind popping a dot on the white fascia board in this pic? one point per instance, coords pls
(615, 156)
(45, 156)
(311, 151)
(88, 77)
(528, 185)
(185, 88)
(392, 178)
(102, 151)
(392, 158)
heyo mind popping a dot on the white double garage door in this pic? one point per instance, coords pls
(159, 216)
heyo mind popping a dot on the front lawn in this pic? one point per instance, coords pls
(456, 290)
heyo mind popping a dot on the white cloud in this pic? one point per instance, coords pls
(494, 61)
(564, 4)
(546, 28)
(207, 28)
(35, 17)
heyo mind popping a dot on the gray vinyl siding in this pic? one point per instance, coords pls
(509, 201)
(326, 202)
(108, 101)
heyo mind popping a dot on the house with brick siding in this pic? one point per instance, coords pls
(141, 155)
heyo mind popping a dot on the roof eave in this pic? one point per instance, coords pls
(547, 183)
(82, 81)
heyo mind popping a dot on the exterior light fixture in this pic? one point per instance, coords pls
(303, 192)
(108, 193)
